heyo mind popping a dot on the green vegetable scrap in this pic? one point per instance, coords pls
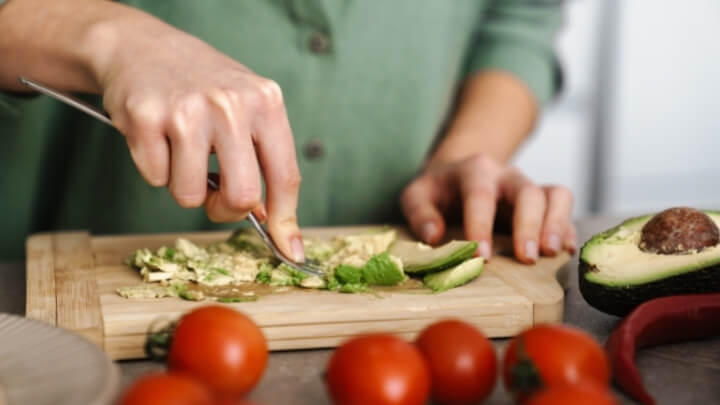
(383, 269)
(346, 274)
(352, 264)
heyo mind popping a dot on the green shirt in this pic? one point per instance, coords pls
(368, 85)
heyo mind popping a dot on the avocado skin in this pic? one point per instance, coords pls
(621, 300)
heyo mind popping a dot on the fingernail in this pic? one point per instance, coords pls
(297, 249)
(261, 214)
(484, 249)
(572, 247)
(531, 250)
(429, 230)
(554, 242)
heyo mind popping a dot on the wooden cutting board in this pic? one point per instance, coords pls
(72, 278)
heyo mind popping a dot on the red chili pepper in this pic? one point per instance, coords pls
(661, 320)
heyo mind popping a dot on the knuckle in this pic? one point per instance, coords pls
(222, 98)
(245, 199)
(531, 191)
(482, 193)
(188, 200)
(266, 95)
(185, 111)
(412, 191)
(157, 176)
(271, 91)
(291, 180)
(145, 113)
(514, 171)
(481, 162)
(562, 192)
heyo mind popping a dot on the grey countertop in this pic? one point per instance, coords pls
(685, 373)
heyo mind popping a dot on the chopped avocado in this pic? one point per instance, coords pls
(383, 270)
(312, 282)
(263, 276)
(673, 252)
(318, 250)
(189, 249)
(147, 290)
(417, 257)
(353, 288)
(183, 291)
(247, 240)
(281, 277)
(455, 276)
(167, 252)
(346, 274)
(228, 300)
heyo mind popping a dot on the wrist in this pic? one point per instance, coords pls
(104, 38)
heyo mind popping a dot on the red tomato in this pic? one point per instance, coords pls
(166, 389)
(379, 370)
(573, 394)
(462, 362)
(220, 347)
(548, 355)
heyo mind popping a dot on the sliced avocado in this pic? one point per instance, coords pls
(346, 274)
(456, 276)
(383, 269)
(632, 263)
(417, 257)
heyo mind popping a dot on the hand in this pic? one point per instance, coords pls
(540, 215)
(176, 99)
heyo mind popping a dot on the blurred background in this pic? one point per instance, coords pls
(637, 127)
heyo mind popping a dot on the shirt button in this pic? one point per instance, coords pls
(319, 43)
(314, 149)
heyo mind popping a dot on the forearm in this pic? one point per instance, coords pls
(65, 43)
(495, 114)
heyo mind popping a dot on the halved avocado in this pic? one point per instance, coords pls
(456, 276)
(673, 252)
(417, 257)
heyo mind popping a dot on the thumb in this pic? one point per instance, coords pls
(422, 213)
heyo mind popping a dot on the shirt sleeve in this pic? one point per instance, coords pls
(517, 36)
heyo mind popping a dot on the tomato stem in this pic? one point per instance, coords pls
(157, 344)
(525, 376)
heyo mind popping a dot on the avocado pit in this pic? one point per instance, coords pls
(679, 230)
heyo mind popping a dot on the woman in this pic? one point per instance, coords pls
(421, 102)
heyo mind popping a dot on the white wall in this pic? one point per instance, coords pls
(660, 115)
(558, 151)
(665, 116)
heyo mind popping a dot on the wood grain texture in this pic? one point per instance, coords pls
(78, 302)
(40, 283)
(499, 302)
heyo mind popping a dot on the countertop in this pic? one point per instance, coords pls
(686, 373)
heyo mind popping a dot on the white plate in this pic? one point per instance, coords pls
(41, 364)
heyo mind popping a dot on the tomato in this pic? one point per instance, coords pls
(377, 369)
(573, 394)
(166, 389)
(462, 362)
(220, 347)
(547, 355)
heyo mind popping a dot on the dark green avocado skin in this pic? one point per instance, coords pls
(621, 300)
